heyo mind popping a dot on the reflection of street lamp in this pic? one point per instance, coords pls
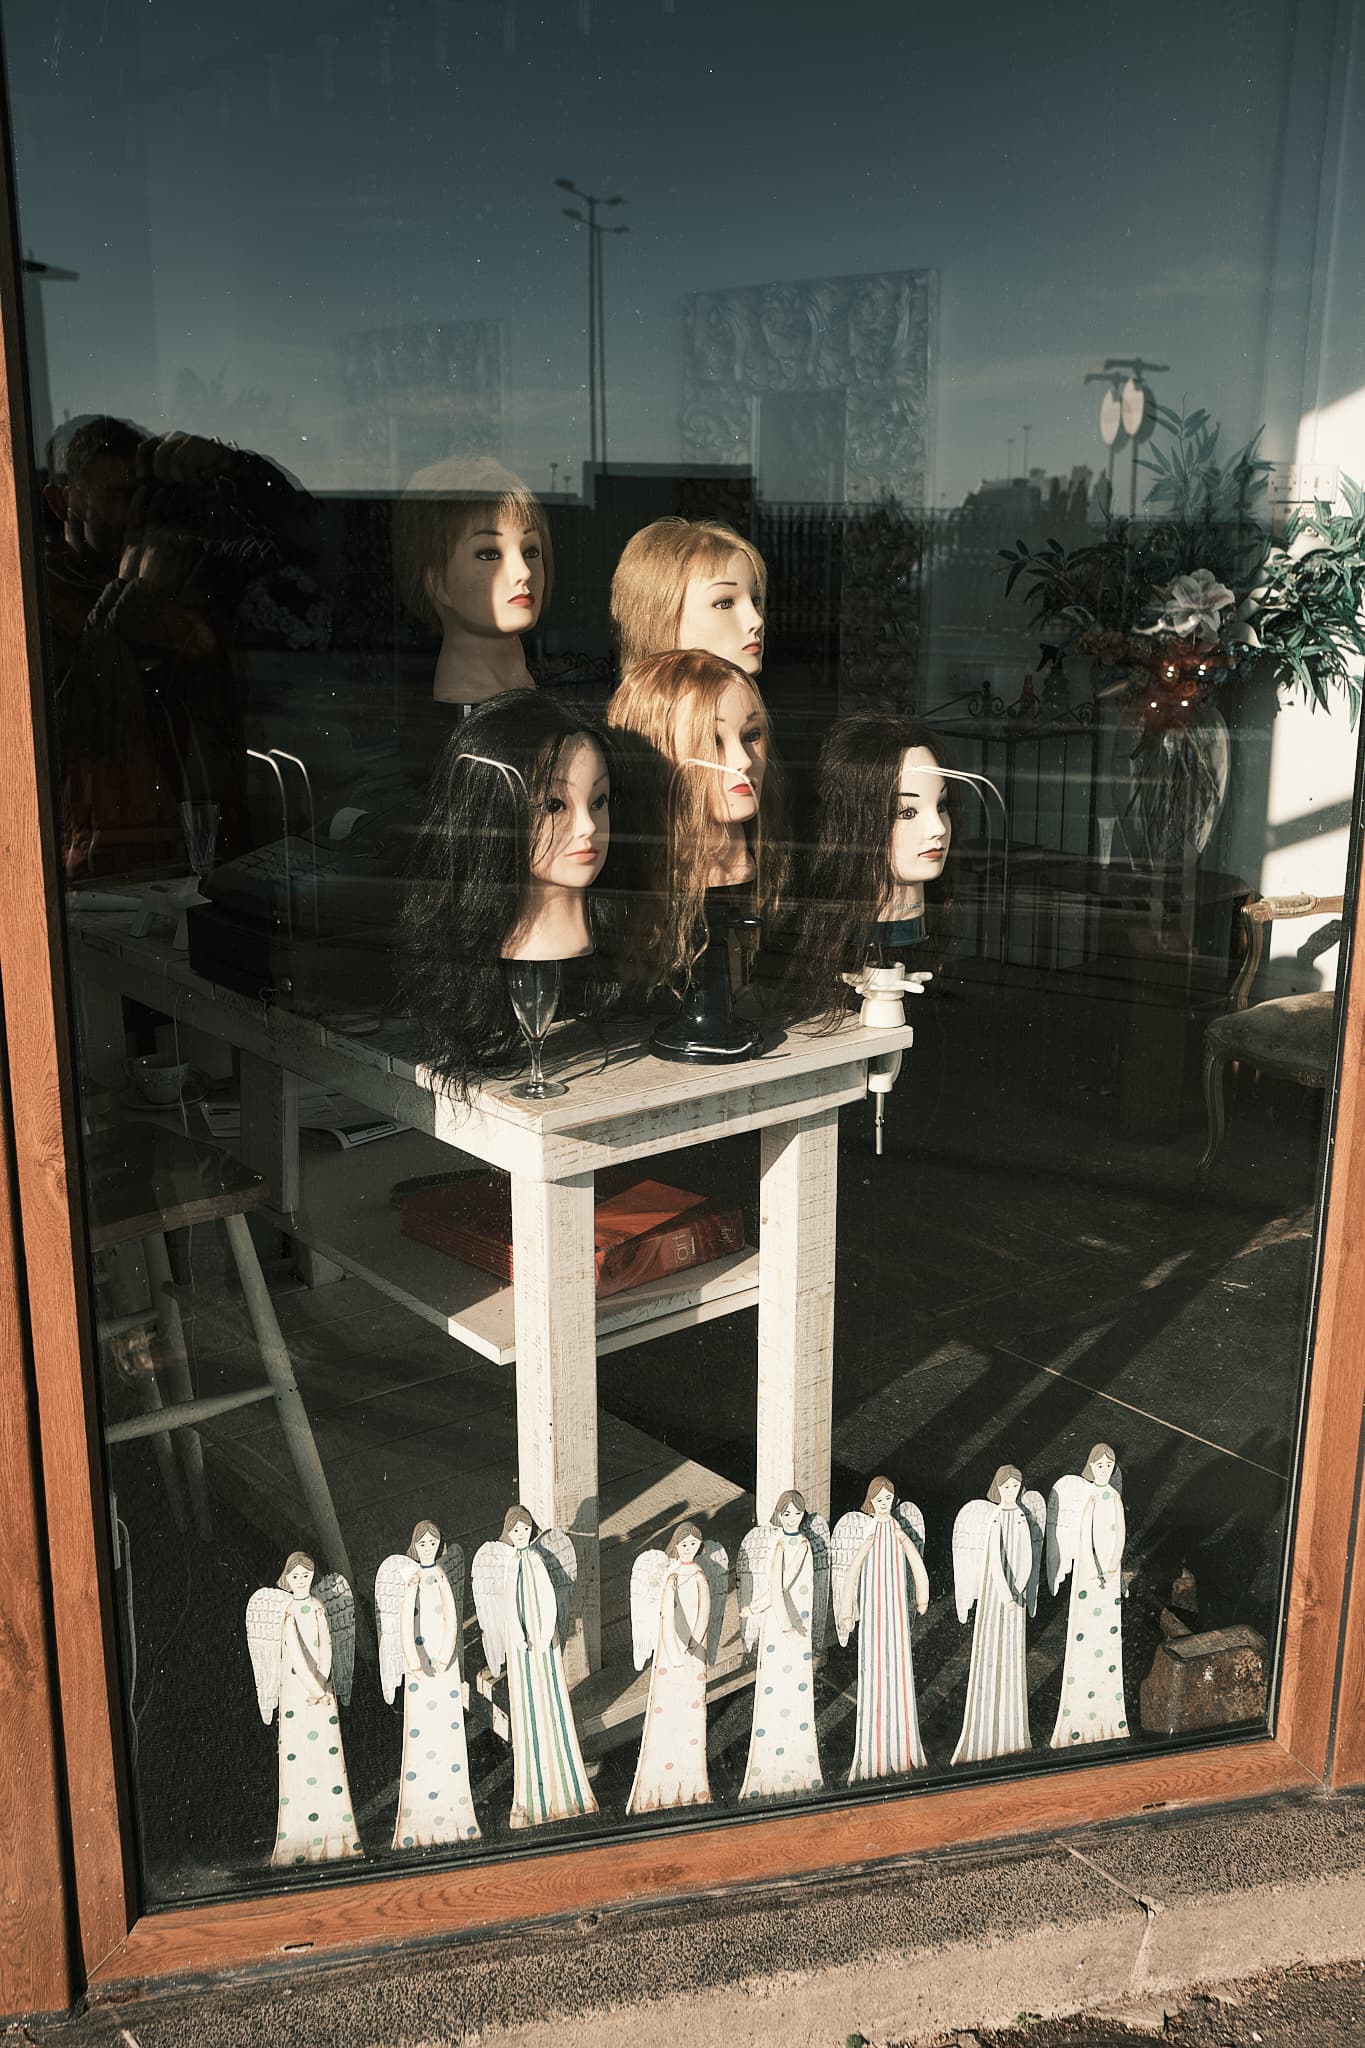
(1127, 412)
(1027, 430)
(597, 359)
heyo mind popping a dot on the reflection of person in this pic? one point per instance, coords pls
(1087, 1531)
(672, 1766)
(292, 1650)
(699, 757)
(473, 561)
(784, 1755)
(689, 583)
(516, 831)
(997, 1547)
(515, 1597)
(417, 1600)
(876, 1564)
(885, 831)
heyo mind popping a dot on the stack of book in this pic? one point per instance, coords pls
(643, 1229)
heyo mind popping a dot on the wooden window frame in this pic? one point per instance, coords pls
(64, 1835)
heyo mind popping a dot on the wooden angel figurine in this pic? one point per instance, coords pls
(677, 1599)
(783, 1606)
(419, 1607)
(1085, 1536)
(302, 1642)
(876, 1559)
(997, 1557)
(523, 1592)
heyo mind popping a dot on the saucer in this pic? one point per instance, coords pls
(136, 1103)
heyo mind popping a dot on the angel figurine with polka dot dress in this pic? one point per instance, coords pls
(419, 1602)
(301, 1636)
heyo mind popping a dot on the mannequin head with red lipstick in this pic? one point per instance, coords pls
(689, 583)
(473, 561)
(884, 838)
(697, 753)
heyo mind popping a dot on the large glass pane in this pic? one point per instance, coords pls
(983, 388)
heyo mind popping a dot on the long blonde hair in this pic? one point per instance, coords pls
(651, 579)
(667, 705)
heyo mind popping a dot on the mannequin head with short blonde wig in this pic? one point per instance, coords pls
(651, 581)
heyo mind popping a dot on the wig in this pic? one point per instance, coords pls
(424, 1529)
(512, 1517)
(444, 504)
(680, 1535)
(790, 1499)
(876, 1486)
(666, 712)
(471, 877)
(850, 876)
(1004, 1473)
(651, 579)
(292, 1563)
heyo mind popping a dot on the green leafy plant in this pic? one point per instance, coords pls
(1307, 609)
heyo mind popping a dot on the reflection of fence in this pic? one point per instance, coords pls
(846, 588)
(1046, 769)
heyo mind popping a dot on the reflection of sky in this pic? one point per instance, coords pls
(238, 195)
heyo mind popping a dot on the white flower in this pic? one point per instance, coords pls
(1192, 608)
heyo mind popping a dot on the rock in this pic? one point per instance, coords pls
(1205, 1681)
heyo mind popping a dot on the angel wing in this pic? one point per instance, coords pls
(561, 1562)
(755, 1556)
(910, 1518)
(389, 1581)
(451, 1562)
(264, 1614)
(969, 1553)
(1035, 1513)
(1064, 1505)
(494, 1564)
(816, 1531)
(850, 1533)
(715, 1562)
(338, 1604)
(646, 1591)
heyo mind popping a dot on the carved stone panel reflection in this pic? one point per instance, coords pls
(416, 393)
(822, 388)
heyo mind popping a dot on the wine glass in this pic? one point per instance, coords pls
(533, 990)
(199, 830)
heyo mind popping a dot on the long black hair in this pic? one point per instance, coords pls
(471, 872)
(849, 876)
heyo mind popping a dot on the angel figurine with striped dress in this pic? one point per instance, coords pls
(997, 1556)
(523, 1595)
(677, 1601)
(783, 1606)
(877, 1566)
(302, 1641)
(419, 1603)
(1086, 1532)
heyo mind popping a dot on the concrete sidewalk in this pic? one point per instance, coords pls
(1106, 1917)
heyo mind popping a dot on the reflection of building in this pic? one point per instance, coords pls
(414, 394)
(822, 387)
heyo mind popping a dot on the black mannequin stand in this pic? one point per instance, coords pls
(706, 1030)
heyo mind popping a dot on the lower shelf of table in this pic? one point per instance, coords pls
(345, 1214)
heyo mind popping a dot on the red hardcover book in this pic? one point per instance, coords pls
(643, 1229)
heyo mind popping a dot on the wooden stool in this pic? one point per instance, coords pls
(144, 1181)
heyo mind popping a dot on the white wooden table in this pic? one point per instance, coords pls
(549, 1321)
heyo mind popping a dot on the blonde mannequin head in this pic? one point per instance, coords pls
(649, 589)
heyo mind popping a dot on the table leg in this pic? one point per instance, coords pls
(798, 1186)
(269, 1140)
(556, 1335)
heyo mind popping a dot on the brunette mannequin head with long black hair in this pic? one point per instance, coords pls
(882, 857)
(516, 831)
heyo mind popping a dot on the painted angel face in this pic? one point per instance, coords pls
(519, 1535)
(882, 1502)
(1103, 1468)
(688, 1549)
(427, 1547)
(790, 1518)
(300, 1581)
(1009, 1493)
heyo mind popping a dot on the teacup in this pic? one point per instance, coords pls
(159, 1077)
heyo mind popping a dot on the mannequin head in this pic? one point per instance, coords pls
(689, 583)
(885, 832)
(515, 832)
(473, 561)
(699, 756)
